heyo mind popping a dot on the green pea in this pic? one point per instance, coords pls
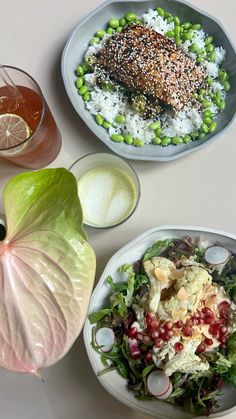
(196, 26)
(119, 29)
(201, 52)
(156, 140)
(222, 105)
(165, 141)
(169, 19)
(128, 139)
(193, 48)
(204, 128)
(100, 33)
(212, 127)
(211, 95)
(106, 125)
(212, 56)
(79, 82)
(208, 40)
(177, 140)
(201, 98)
(140, 21)
(207, 120)
(209, 48)
(130, 17)
(110, 31)
(158, 132)
(114, 23)
(170, 34)
(194, 135)
(138, 142)
(155, 125)
(168, 14)
(187, 25)
(120, 119)
(206, 103)
(187, 36)
(83, 90)
(79, 70)
(87, 96)
(99, 119)
(160, 11)
(178, 41)
(187, 139)
(226, 86)
(223, 76)
(207, 114)
(117, 138)
(177, 30)
(200, 60)
(176, 21)
(202, 135)
(194, 95)
(122, 21)
(202, 92)
(94, 41)
(209, 81)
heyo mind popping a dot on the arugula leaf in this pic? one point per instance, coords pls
(118, 300)
(157, 248)
(140, 280)
(117, 286)
(95, 317)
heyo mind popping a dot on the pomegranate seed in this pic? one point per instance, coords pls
(222, 321)
(224, 306)
(154, 324)
(132, 332)
(201, 348)
(170, 333)
(197, 315)
(165, 337)
(178, 346)
(168, 325)
(149, 317)
(146, 339)
(179, 324)
(222, 346)
(208, 342)
(223, 339)
(207, 312)
(201, 315)
(214, 328)
(148, 356)
(223, 329)
(158, 343)
(155, 334)
(189, 323)
(139, 336)
(195, 321)
(187, 331)
(161, 330)
(208, 320)
(200, 321)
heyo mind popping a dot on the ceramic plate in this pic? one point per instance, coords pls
(112, 381)
(77, 44)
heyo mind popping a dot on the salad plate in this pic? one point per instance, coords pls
(130, 254)
(73, 56)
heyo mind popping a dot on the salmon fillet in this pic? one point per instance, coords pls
(147, 62)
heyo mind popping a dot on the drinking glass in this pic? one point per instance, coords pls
(29, 136)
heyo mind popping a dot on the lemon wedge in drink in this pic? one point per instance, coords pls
(13, 131)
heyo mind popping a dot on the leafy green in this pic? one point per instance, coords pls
(222, 364)
(147, 370)
(130, 287)
(232, 375)
(118, 300)
(117, 286)
(157, 248)
(140, 280)
(98, 315)
(231, 348)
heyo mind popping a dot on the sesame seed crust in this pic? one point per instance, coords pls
(147, 62)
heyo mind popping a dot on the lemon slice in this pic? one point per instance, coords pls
(13, 130)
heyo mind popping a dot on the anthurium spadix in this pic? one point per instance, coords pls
(47, 270)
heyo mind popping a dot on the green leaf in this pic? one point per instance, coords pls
(47, 270)
(232, 375)
(231, 348)
(140, 280)
(157, 248)
(118, 300)
(98, 315)
(147, 369)
(117, 286)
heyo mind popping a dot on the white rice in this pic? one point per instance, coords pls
(111, 104)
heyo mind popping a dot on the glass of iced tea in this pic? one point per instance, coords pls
(29, 135)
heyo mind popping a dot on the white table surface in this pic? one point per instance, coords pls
(197, 190)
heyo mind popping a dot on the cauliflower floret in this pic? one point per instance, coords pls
(186, 361)
(194, 279)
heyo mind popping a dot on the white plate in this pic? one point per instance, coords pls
(130, 253)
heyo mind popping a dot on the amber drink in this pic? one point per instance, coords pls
(29, 135)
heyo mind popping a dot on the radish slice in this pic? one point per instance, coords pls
(159, 385)
(105, 338)
(216, 255)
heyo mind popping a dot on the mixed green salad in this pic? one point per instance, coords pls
(170, 327)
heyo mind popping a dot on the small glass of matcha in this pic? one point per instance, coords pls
(108, 188)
